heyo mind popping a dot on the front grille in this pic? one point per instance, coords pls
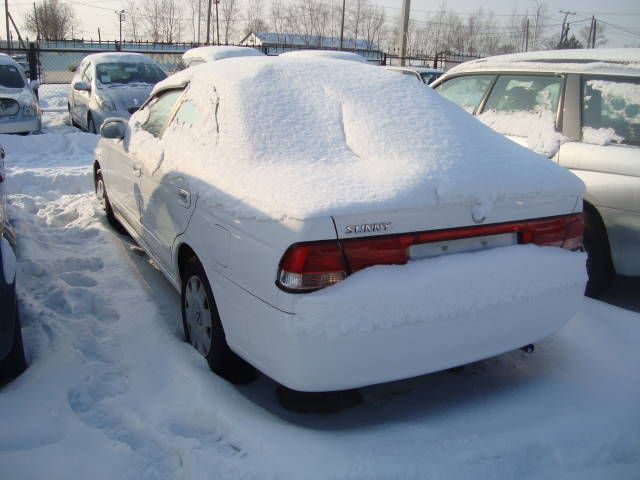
(133, 110)
(8, 107)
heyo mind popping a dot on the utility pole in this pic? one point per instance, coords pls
(35, 16)
(6, 17)
(404, 27)
(120, 14)
(342, 25)
(526, 36)
(564, 35)
(591, 42)
(217, 22)
(99, 37)
(199, 19)
(209, 22)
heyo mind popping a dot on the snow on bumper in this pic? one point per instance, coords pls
(391, 322)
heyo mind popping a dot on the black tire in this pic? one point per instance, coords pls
(91, 125)
(221, 359)
(14, 364)
(599, 264)
(103, 198)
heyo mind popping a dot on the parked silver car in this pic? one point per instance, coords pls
(582, 109)
(19, 109)
(110, 85)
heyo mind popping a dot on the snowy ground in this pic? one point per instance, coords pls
(113, 391)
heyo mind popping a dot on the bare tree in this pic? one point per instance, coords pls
(601, 37)
(229, 16)
(133, 25)
(51, 20)
(255, 17)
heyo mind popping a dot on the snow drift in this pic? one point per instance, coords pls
(302, 138)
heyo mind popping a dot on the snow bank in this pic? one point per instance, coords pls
(302, 138)
(425, 291)
(537, 127)
(600, 136)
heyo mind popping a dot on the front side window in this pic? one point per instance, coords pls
(611, 110)
(159, 110)
(127, 73)
(86, 75)
(188, 114)
(10, 77)
(467, 91)
(525, 93)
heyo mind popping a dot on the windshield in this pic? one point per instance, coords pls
(10, 77)
(128, 73)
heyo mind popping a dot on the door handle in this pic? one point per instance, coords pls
(184, 198)
(137, 170)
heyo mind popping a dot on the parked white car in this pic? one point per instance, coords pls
(424, 74)
(213, 53)
(110, 85)
(19, 109)
(582, 109)
(323, 229)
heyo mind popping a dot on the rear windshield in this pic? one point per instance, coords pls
(10, 77)
(128, 73)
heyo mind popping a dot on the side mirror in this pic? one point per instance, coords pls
(82, 86)
(34, 84)
(113, 128)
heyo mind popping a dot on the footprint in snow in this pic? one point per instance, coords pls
(77, 279)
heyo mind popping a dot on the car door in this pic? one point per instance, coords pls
(166, 195)
(81, 98)
(608, 161)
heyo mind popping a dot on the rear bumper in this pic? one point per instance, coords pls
(395, 322)
(307, 362)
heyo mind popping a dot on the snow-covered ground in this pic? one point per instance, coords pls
(113, 391)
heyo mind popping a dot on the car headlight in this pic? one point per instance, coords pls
(106, 104)
(30, 109)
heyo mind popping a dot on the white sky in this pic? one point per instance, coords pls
(621, 13)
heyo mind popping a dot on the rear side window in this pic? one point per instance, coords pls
(159, 110)
(611, 110)
(466, 91)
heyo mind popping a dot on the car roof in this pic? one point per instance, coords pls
(220, 52)
(118, 57)
(7, 60)
(334, 54)
(613, 61)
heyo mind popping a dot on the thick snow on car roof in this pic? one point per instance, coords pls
(119, 57)
(303, 137)
(213, 53)
(612, 60)
(335, 54)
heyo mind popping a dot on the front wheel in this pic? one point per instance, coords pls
(103, 198)
(91, 125)
(203, 329)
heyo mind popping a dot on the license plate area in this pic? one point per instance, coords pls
(461, 245)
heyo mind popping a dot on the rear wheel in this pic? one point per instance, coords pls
(599, 263)
(15, 363)
(203, 329)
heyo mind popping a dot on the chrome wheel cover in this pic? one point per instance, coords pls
(197, 313)
(100, 193)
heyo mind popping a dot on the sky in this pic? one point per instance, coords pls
(623, 16)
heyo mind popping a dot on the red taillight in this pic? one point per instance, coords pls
(310, 266)
(314, 265)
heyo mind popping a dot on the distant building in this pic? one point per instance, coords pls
(276, 43)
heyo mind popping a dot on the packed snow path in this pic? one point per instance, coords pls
(113, 391)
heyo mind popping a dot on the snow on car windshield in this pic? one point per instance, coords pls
(301, 138)
(10, 77)
(129, 72)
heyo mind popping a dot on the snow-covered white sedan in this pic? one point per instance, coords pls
(321, 228)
